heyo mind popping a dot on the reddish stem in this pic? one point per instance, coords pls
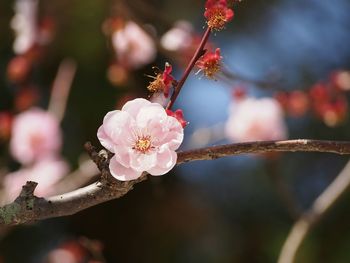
(197, 54)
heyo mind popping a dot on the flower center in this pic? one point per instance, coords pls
(157, 84)
(211, 67)
(217, 19)
(143, 144)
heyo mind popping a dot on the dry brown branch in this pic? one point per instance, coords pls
(308, 220)
(27, 207)
(301, 145)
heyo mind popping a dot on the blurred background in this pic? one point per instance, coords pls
(70, 62)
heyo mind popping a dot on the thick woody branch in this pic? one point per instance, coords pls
(27, 207)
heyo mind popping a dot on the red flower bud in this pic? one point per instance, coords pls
(178, 114)
(18, 69)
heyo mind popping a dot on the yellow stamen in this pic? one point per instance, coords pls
(143, 144)
(217, 20)
(157, 84)
(211, 68)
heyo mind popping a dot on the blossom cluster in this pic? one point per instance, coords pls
(326, 100)
(144, 135)
(134, 45)
(35, 142)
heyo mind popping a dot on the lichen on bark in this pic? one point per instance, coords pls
(8, 213)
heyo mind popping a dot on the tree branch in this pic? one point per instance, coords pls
(308, 220)
(301, 145)
(61, 87)
(197, 54)
(27, 207)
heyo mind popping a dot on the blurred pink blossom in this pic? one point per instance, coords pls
(143, 138)
(253, 119)
(341, 79)
(45, 172)
(24, 23)
(134, 48)
(59, 255)
(179, 37)
(35, 135)
(76, 251)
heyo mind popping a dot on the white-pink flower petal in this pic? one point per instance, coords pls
(166, 160)
(152, 115)
(133, 106)
(122, 155)
(121, 172)
(173, 136)
(143, 138)
(143, 162)
(116, 129)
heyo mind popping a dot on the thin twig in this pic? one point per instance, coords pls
(308, 220)
(61, 87)
(27, 207)
(199, 52)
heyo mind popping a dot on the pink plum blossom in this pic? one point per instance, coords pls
(253, 119)
(143, 138)
(134, 48)
(61, 255)
(35, 135)
(45, 172)
(179, 37)
(24, 23)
